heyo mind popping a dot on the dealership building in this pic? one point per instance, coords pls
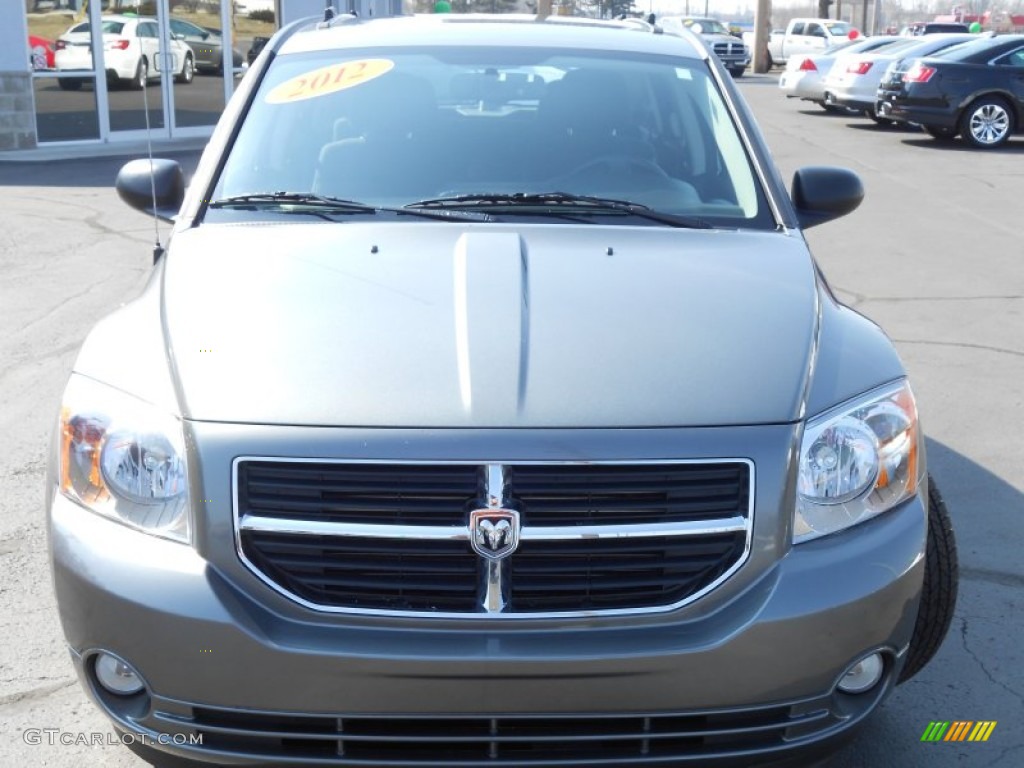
(72, 71)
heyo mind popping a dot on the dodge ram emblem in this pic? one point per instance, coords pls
(494, 532)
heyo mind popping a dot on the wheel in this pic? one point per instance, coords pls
(940, 132)
(69, 83)
(188, 72)
(879, 120)
(986, 123)
(938, 594)
(138, 82)
(737, 71)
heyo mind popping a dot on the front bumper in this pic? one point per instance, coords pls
(754, 677)
(734, 62)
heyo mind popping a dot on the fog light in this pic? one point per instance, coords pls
(863, 675)
(117, 676)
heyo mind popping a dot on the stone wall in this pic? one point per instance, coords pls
(17, 114)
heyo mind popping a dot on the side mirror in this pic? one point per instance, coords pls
(141, 182)
(823, 193)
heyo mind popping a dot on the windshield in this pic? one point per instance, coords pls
(968, 50)
(391, 129)
(954, 50)
(838, 28)
(108, 27)
(709, 26)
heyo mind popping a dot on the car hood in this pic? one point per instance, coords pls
(480, 325)
(718, 37)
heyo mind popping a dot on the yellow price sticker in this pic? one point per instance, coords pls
(336, 77)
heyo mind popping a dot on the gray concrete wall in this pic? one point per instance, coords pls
(17, 113)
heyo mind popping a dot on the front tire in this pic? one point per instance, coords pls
(737, 71)
(987, 123)
(939, 591)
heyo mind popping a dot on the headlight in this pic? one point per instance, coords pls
(857, 461)
(124, 459)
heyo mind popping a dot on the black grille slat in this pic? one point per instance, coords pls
(500, 740)
(351, 570)
(333, 570)
(610, 494)
(412, 494)
(663, 571)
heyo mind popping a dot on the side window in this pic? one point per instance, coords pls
(798, 29)
(1015, 59)
(815, 30)
(146, 30)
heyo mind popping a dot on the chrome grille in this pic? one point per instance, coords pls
(394, 538)
(729, 49)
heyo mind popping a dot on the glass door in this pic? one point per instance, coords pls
(223, 37)
(135, 62)
(113, 69)
(198, 32)
(67, 69)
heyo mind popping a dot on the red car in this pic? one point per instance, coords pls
(40, 53)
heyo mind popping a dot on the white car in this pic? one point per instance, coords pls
(854, 79)
(804, 77)
(131, 53)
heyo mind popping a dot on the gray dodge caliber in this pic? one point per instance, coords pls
(487, 408)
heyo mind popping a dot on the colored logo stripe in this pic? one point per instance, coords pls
(982, 730)
(935, 730)
(958, 730)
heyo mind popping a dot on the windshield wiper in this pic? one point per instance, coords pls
(543, 202)
(323, 205)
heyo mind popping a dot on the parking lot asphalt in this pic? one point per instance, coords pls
(934, 254)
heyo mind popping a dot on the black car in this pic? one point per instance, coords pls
(258, 44)
(975, 91)
(934, 27)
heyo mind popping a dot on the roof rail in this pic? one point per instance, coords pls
(330, 19)
(641, 24)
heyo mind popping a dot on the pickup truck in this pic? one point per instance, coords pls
(730, 49)
(806, 36)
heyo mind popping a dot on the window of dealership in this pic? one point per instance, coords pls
(72, 71)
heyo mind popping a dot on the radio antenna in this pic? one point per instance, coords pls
(158, 250)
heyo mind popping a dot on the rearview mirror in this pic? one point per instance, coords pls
(140, 183)
(823, 193)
